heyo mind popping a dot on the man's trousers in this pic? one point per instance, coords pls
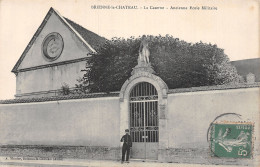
(125, 149)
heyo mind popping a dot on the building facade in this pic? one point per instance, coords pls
(55, 55)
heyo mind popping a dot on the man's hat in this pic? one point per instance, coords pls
(127, 130)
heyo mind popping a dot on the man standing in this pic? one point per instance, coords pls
(126, 146)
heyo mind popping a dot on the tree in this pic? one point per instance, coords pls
(178, 63)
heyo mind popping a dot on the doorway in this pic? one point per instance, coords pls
(144, 122)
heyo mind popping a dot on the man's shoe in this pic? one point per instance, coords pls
(127, 161)
(122, 162)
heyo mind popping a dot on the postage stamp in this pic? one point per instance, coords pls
(232, 140)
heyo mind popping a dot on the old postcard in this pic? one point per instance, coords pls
(129, 83)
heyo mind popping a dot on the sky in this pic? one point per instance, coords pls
(234, 26)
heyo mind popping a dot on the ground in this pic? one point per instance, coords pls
(91, 163)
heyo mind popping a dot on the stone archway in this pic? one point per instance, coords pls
(162, 89)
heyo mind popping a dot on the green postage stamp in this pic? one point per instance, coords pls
(233, 140)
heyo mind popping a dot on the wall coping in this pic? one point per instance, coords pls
(215, 87)
(116, 94)
(58, 98)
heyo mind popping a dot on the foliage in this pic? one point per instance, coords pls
(65, 89)
(178, 63)
(82, 86)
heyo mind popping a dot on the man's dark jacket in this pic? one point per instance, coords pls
(127, 140)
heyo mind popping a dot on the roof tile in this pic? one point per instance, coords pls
(90, 37)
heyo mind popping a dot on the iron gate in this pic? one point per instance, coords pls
(144, 121)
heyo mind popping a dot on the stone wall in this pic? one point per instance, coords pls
(80, 122)
(90, 127)
(202, 156)
(54, 152)
(190, 115)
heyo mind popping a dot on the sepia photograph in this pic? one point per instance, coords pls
(100, 83)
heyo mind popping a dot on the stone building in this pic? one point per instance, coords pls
(55, 55)
(245, 68)
(206, 125)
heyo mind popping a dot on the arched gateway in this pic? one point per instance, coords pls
(143, 101)
(143, 110)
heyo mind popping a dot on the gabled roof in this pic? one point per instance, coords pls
(90, 39)
(247, 66)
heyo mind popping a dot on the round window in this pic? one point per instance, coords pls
(52, 46)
